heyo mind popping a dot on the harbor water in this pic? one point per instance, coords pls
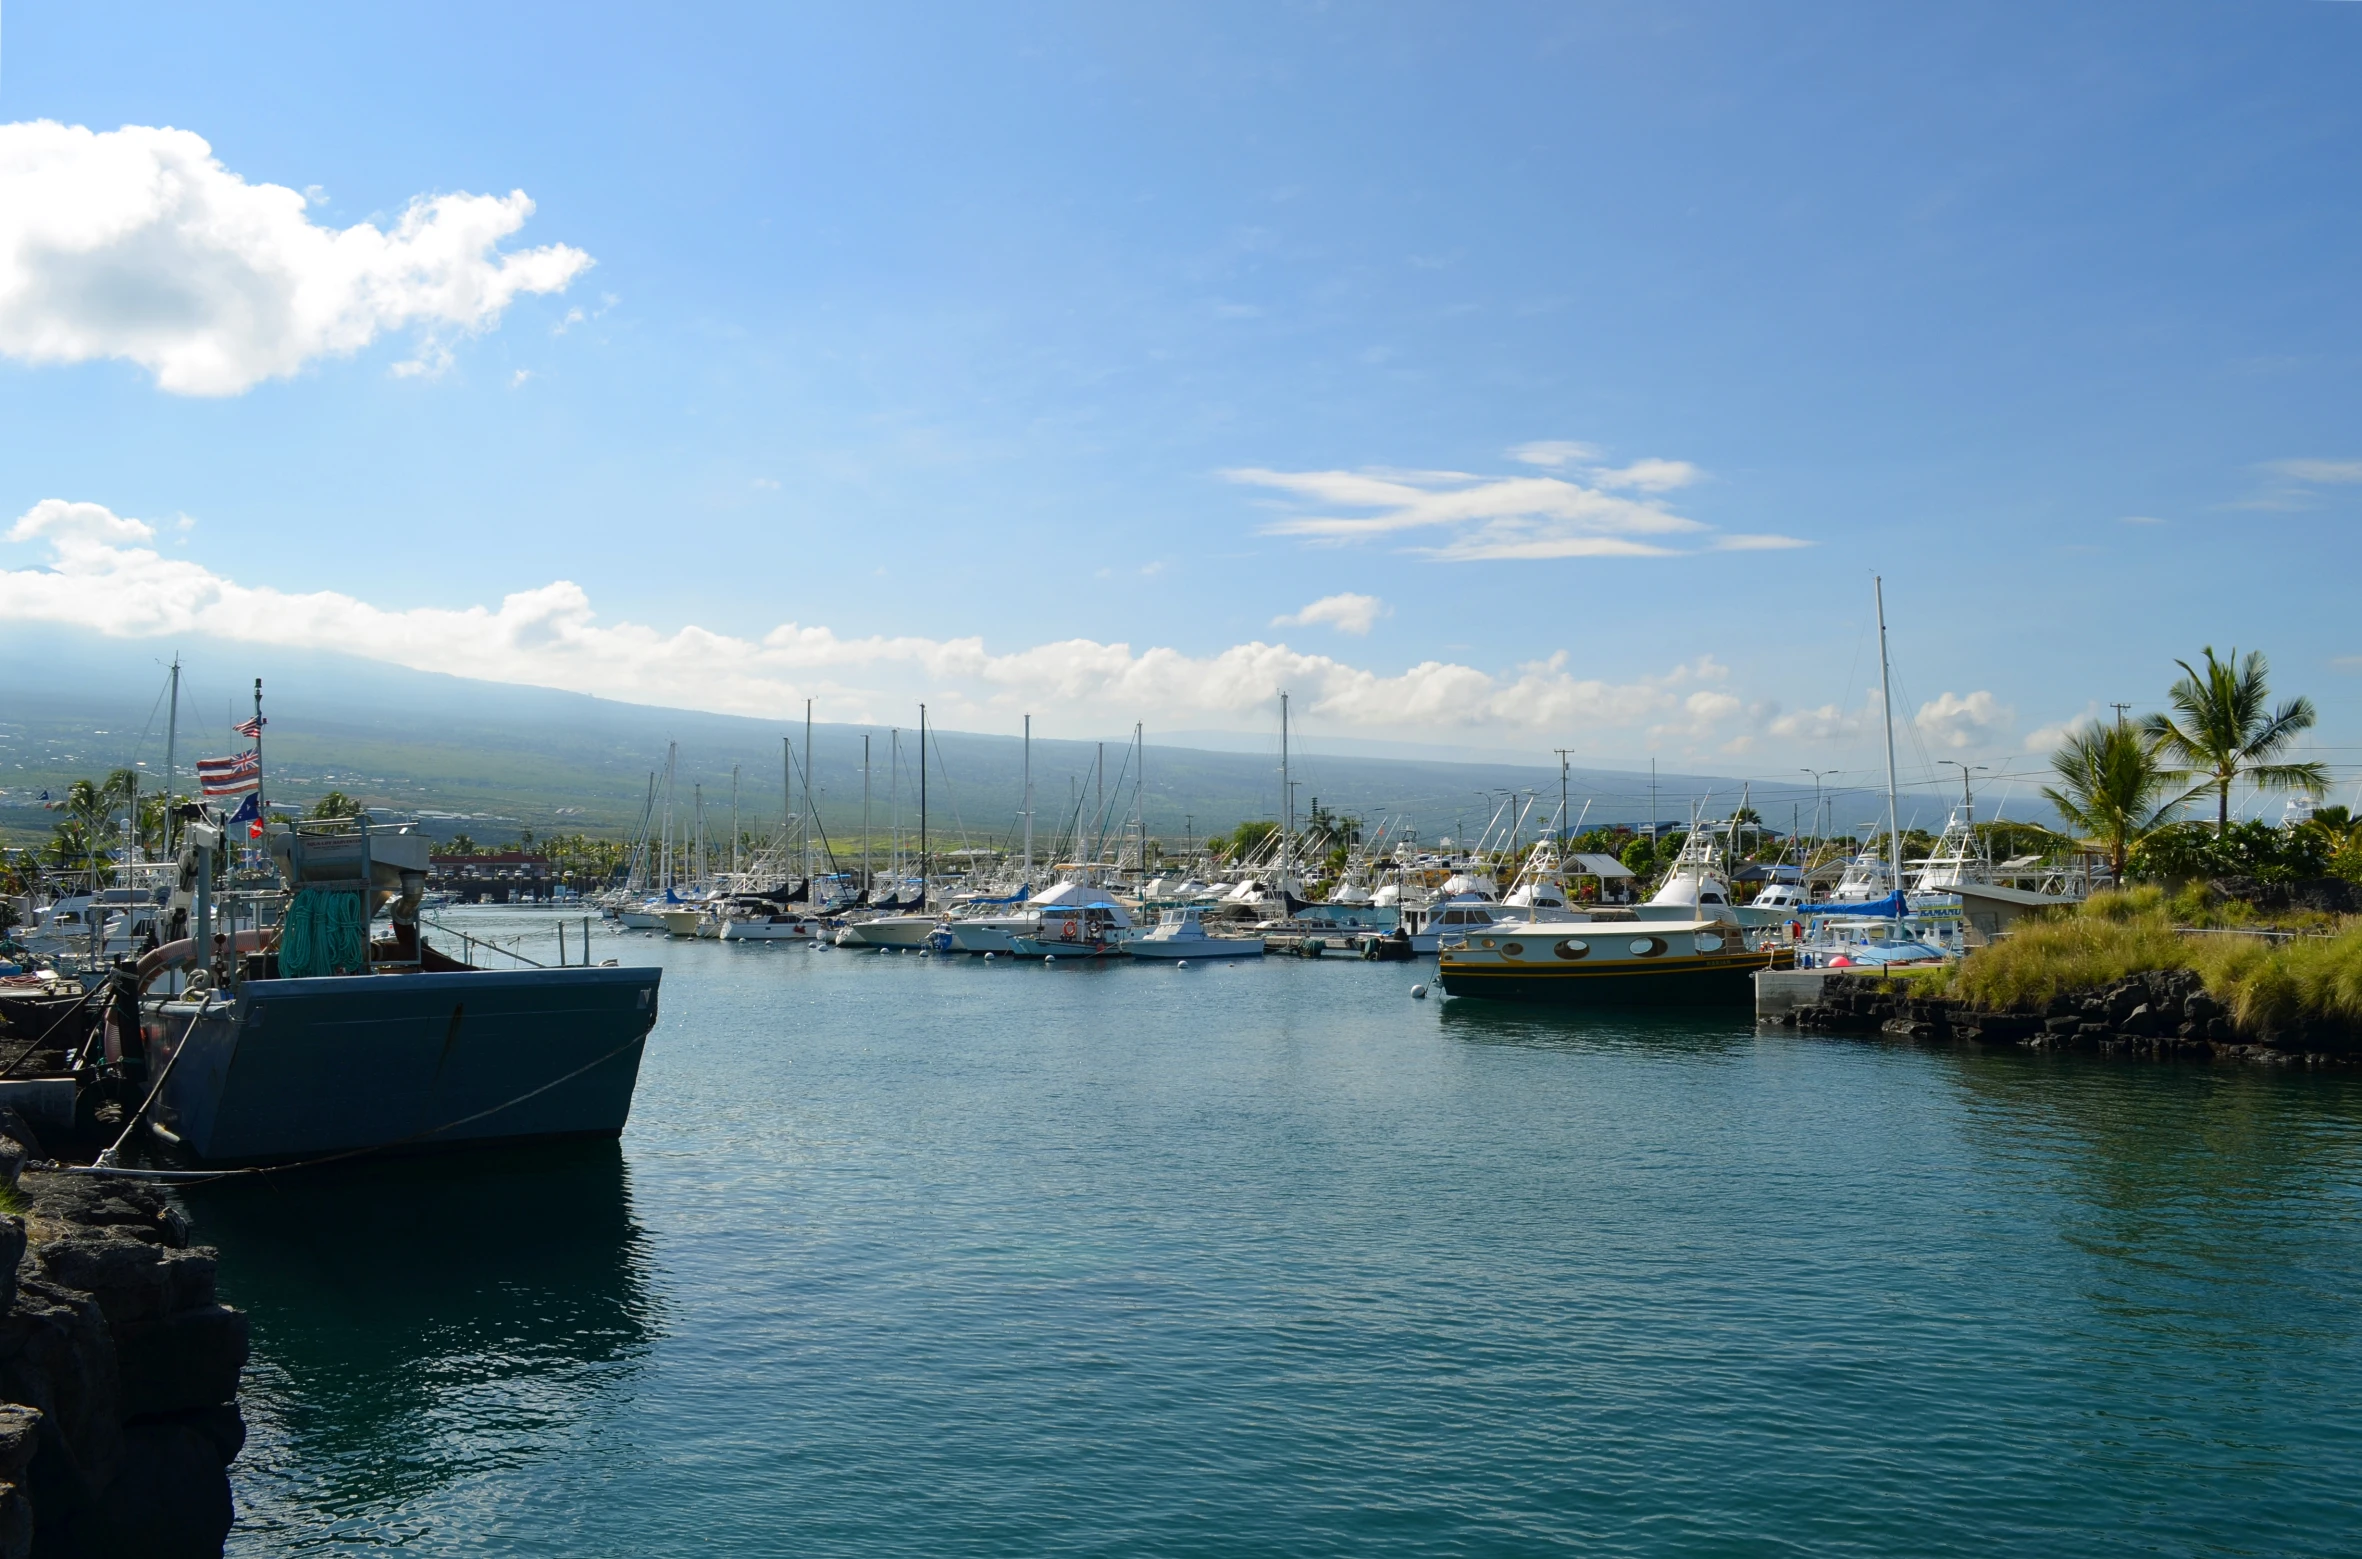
(935, 1256)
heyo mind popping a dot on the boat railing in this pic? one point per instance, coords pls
(468, 943)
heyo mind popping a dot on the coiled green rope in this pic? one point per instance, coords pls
(322, 934)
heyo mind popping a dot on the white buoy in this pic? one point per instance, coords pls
(1049, 958)
(988, 958)
(1181, 963)
(1418, 993)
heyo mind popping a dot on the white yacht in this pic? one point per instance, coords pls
(1181, 933)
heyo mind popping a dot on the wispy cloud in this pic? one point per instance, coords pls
(1347, 613)
(2290, 484)
(2316, 472)
(137, 244)
(1594, 511)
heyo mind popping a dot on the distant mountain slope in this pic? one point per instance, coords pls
(511, 757)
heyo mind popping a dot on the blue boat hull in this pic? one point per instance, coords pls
(300, 1069)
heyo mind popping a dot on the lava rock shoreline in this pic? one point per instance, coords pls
(2160, 1014)
(119, 1371)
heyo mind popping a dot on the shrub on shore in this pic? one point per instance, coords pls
(2267, 985)
(2111, 936)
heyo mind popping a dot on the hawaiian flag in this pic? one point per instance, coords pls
(228, 776)
(251, 729)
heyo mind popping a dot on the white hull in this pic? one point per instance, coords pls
(772, 930)
(987, 936)
(1195, 947)
(905, 931)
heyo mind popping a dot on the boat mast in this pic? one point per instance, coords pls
(1139, 780)
(922, 808)
(787, 802)
(811, 814)
(171, 739)
(867, 874)
(1287, 792)
(1026, 880)
(1886, 696)
(733, 819)
(894, 810)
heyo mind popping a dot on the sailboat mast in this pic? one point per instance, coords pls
(1139, 781)
(171, 739)
(733, 819)
(1287, 792)
(787, 797)
(922, 807)
(1886, 696)
(811, 814)
(867, 873)
(1025, 881)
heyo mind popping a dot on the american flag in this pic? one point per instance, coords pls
(252, 729)
(229, 776)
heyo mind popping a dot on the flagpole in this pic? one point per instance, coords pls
(262, 805)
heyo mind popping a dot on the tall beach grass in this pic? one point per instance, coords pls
(2268, 985)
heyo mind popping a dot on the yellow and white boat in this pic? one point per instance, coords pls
(1608, 963)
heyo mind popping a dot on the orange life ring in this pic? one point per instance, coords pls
(1068, 933)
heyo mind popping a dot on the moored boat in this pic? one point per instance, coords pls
(1181, 933)
(1607, 963)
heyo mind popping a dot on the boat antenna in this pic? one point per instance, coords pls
(1886, 697)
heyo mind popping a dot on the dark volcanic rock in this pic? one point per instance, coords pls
(128, 1366)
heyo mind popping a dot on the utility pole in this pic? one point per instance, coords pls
(1818, 775)
(2121, 711)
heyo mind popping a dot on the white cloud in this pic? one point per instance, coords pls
(1554, 453)
(1650, 476)
(1962, 722)
(137, 244)
(1825, 724)
(73, 526)
(1741, 541)
(101, 578)
(2327, 472)
(2140, 519)
(2047, 739)
(1500, 517)
(1347, 613)
(516, 381)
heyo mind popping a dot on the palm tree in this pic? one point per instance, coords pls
(2226, 732)
(2112, 788)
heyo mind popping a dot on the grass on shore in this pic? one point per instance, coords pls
(2268, 985)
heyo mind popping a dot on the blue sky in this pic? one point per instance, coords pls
(1585, 361)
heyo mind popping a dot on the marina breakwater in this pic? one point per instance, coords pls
(2157, 1014)
(119, 1370)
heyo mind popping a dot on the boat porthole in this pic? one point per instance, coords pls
(1707, 942)
(1571, 948)
(1488, 941)
(1647, 946)
(1514, 949)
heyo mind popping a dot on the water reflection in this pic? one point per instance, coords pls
(1633, 1030)
(418, 1321)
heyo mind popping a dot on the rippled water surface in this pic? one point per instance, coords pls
(908, 1256)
